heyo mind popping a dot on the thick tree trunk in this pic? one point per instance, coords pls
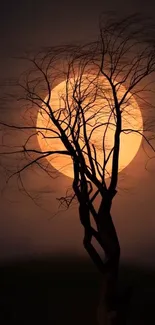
(108, 299)
(107, 309)
(107, 238)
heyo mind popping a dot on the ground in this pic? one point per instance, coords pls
(65, 290)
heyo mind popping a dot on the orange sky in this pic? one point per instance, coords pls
(24, 228)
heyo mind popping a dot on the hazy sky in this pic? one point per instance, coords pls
(24, 228)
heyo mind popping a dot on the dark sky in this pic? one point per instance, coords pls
(24, 228)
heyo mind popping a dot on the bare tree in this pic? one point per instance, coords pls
(102, 79)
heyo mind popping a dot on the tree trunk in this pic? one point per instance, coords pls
(108, 299)
(107, 238)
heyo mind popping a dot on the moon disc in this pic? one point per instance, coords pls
(98, 105)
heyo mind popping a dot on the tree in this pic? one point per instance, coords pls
(102, 78)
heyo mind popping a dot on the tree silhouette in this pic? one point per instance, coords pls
(101, 80)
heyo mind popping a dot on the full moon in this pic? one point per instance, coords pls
(98, 108)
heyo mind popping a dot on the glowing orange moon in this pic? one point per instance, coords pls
(102, 103)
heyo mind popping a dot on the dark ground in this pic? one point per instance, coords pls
(65, 291)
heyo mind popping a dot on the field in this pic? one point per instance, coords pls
(64, 290)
